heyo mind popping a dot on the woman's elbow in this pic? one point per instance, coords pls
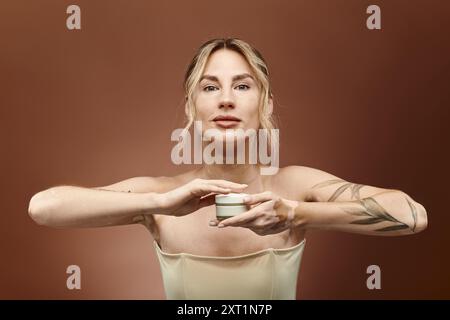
(422, 222)
(40, 208)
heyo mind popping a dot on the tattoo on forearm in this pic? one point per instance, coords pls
(374, 213)
(371, 209)
(413, 212)
(354, 188)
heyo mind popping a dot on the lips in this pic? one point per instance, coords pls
(226, 118)
(226, 121)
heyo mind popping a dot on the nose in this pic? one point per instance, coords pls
(226, 100)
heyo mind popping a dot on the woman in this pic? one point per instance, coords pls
(255, 255)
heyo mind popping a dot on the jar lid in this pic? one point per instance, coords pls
(230, 198)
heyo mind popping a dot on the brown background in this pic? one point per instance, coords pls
(98, 105)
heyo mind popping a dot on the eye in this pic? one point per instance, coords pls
(209, 88)
(243, 87)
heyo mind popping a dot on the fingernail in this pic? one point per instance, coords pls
(221, 225)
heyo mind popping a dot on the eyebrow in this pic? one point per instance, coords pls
(235, 78)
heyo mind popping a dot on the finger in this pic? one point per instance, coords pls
(208, 188)
(205, 189)
(238, 220)
(214, 222)
(259, 197)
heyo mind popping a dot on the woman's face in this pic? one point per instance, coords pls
(227, 95)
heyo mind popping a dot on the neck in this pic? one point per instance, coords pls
(239, 173)
(233, 171)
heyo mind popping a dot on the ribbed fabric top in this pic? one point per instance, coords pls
(262, 275)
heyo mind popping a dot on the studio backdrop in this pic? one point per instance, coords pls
(90, 92)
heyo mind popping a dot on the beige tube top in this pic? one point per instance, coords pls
(262, 275)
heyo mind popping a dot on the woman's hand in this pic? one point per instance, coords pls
(270, 214)
(194, 195)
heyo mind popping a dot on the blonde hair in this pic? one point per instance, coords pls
(257, 64)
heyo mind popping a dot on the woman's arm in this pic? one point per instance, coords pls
(117, 204)
(332, 203)
(124, 202)
(337, 204)
(386, 214)
(390, 213)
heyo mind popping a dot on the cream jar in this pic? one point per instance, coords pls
(229, 205)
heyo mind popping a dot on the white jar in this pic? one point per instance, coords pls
(229, 205)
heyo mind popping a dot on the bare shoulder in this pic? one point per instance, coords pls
(308, 175)
(300, 180)
(295, 181)
(317, 185)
